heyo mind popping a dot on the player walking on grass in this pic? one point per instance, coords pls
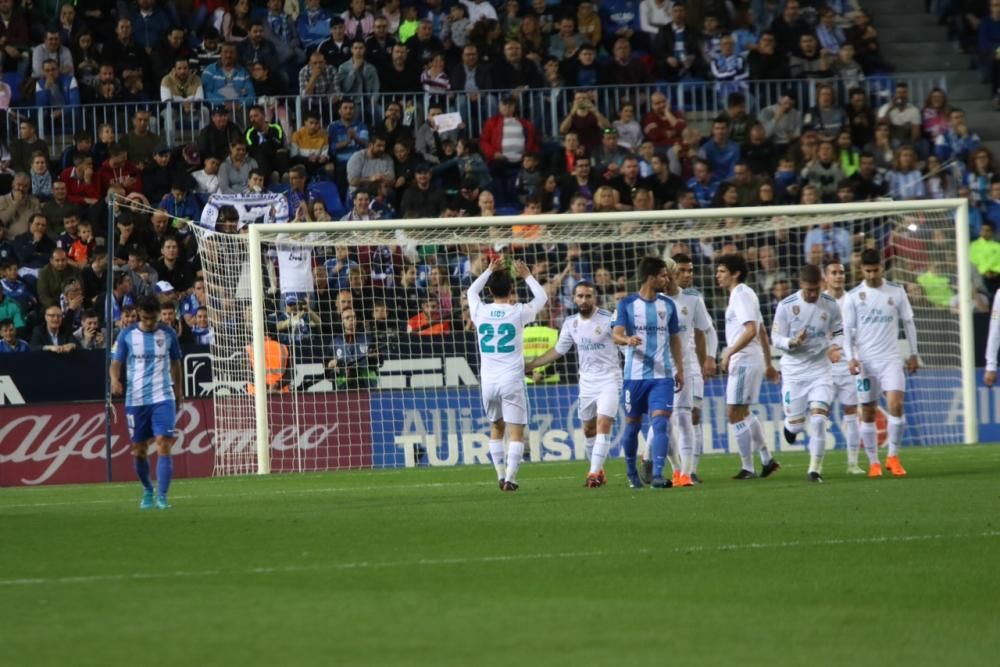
(844, 389)
(151, 355)
(500, 332)
(600, 374)
(993, 343)
(646, 322)
(747, 360)
(872, 316)
(808, 329)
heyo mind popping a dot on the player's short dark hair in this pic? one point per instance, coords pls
(830, 261)
(88, 314)
(810, 273)
(650, 267)
(500, 284)
(734, 264)
(6, 322)
(583, 283)
(871, 257)
(682, 258)
(148, 304)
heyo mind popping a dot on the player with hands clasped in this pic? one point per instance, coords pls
(500, 333)
(872, 315)
(844, 390)
(152, 356)
(808, 330)
(747, 360)
(646, 322)
(589, 330)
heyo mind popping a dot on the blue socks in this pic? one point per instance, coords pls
(164, 471)
(630, 443)
(660, 444)
(142, 472)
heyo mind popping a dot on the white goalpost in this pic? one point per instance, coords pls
(345, 344)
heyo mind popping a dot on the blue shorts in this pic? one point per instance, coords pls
(149, 421)
(644, 397)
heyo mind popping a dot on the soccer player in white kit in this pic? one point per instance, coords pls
(698, 343)
(993, 343)
(600, 374)
(844, 390)
(500, 332)
(872, 315)
(747, 360)
(808, 330)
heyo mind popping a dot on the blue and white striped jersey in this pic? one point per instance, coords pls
(147, 357)
(653, 321)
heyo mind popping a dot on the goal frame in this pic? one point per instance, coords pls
(259, 233)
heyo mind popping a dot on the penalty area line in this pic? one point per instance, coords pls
(479, 560)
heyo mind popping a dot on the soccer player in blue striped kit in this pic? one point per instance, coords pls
(151, 354)
(646, 322)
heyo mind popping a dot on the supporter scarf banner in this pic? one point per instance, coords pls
(252, 208)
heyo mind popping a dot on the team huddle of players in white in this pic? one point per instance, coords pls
(836, 346)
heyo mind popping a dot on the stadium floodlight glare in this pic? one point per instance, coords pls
(293, 424)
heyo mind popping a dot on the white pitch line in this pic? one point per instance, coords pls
(270, 492)
(479, 560)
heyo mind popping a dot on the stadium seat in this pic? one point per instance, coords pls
(15, 81)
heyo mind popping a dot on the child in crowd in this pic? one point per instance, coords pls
(629, 132)
(41, 179)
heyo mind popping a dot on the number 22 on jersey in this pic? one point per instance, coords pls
(487, 332)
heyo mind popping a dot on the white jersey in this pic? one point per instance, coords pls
(596, 351)
(744, 306)
(872, 316)
(840, 368)
(655, 322)
(691, 315)
(993, 340)
(295, 267)
(147, 356)
(821, 322)
(500, 330)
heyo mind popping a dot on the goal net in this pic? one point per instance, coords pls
(349, 344)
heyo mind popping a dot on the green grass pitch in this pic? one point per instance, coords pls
(438, 567)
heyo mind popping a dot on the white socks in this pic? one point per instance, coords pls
(590, 448)
(742, 430)
(600, 453)
(699, 444)
(514, 454)
(852, 437)
(757, 436)
(817, 442)
(896, 427)
(496, 453)
(869, 438)
(685, 439)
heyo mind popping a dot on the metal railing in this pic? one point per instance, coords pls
(180, 123)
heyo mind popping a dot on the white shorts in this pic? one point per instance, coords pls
(845, 389)
(691, 395)
(507, 401)
(878, 377)
(798, 395)
(599, 399)
(743, 385)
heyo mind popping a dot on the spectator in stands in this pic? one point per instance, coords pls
(56, 274)
(582, 70)
(84, 247)
(421, 200)
(257, 49)
(505, 139)
(358, 21)
(266, 143)
(830, 35)
(766, 62)
(979, 174)
(16, 30)
(423, 45)
(789, 28)
(583, 182)
(15, 287)
(681, 156)
(835, 242)
(370, 167)
(23, 148)
(51, 48)
(182, 87)
(664, 185)
(9, 342)
(34, 247)
(310, 146)
(171, 49)
(627, 127)
(89, 336)
(720, 152)
(356, 76)
(729, 68)
(607, 159)
(53, 336)
(226, 82)
(207, 179)
(860, 118)
(41, 179)
(430, 320)
(336, 48)
(119, 170)
(128, 57)
(956, 142)
(234, 173)
(627, 182)
(149, 24)
(313, 24)
(864, 37)
(827, 118)
(991, 207)
(141, 142)
(662, 125)
(399, 74)
(216, 138)
(759, 152)
(905, 180)
(394, 127)
(19, 207)
(904, 118)
(173, 267)
(515, 71)
(142, 276)
(782, 122)
(564, 44)
(355, 356)
(57, 92)
(984, 253)
(676, 50)
(317, 77)
(808, 62)
(703, 184)
(280, 30)
(298, 324)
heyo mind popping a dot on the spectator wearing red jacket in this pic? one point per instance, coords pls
(505, 139)
(117, 170)
(663, 125)
(82, 186)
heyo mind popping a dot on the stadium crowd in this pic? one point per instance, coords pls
(221, 65)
